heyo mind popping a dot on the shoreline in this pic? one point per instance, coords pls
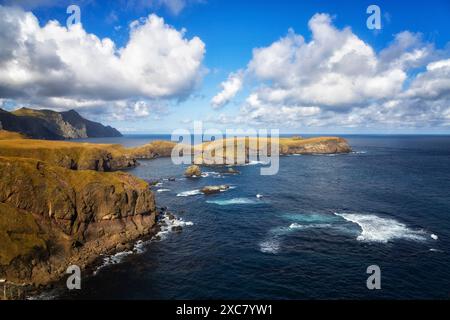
(88, 238)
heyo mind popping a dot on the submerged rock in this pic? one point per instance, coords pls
(177, 228)
(231, 171)
(170, 216)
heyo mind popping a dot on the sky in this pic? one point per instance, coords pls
(154, 66)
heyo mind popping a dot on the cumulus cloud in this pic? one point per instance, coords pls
(338, 79)
(41, 64)
(230, 88)
(433, 84)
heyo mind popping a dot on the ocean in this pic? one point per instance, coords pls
(311, 233)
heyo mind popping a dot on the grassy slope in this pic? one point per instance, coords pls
(23, 112)
(8, 135)
(152, 150)
(61, 153)
(226, 149)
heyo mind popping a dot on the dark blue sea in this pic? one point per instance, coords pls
(316, 227)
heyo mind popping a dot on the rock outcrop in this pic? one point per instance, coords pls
(214, 189)
(231, 171)
(52, 217)
(48, 124)
(193, 171)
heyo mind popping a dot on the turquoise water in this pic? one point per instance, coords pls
(313, 231)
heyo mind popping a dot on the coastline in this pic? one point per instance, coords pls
(83, 239)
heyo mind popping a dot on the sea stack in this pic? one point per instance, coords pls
(193, 171)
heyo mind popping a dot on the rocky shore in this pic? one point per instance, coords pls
(59, 207)
(65, 203)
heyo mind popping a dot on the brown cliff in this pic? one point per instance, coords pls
(52, 217)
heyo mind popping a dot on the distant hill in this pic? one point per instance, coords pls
(48, 124)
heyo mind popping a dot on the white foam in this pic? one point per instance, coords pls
(270, 246)
(259, 196)
(139, 246)
(113, 259)
(434, 237)
(189, 193)
(377, 229)
(234, 201)
(163, 190)
(166, 228)
(308, 226)
(50, 295)
(250, 163)
(211, 174)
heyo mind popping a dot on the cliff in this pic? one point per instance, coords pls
(52, 217)
(47, 124)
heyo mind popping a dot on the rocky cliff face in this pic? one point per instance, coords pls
(47, 124)
(52, 217)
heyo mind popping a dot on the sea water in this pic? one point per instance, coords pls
(311, 233)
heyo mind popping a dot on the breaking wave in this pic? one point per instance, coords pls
(377, 229)
(189, 193)
(166, 223)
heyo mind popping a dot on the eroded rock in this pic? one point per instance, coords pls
(193, 171)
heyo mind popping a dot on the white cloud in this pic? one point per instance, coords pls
(337, 79)
(38, 64)
(335, 69)
(433, 84)
(230, 88)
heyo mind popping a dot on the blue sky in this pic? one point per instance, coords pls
(231, 30)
